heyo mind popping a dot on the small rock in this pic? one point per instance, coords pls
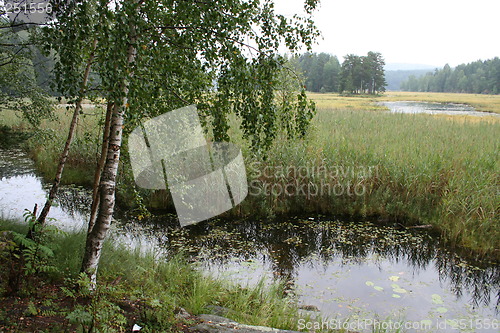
(311, 315)
(217, 310)
(218, 324)
(181, 313)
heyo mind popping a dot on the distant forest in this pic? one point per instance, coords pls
(394, 78)
(479, 77)
(356, 75)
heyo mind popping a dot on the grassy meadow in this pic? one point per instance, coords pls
(45, 144)
(357, 160)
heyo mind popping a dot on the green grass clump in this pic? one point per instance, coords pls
(175, 283)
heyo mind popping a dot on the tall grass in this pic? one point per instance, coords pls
(433, 170)
(45, 143)
(416, 169)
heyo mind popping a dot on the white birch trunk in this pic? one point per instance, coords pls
(97, 236)
(100, 166)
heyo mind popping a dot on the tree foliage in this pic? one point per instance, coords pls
(321, 71)
(394, 78)
(357, 74)
(19, 89)
(363, 74)
(221, 56)
(479, 77)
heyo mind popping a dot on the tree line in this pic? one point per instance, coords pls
(478, 77)
(356, 75)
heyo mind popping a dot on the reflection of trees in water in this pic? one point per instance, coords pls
(482, 282)
(287, 244)
(14, 162)
(74, 200)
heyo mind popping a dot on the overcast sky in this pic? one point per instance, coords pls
(429, 32)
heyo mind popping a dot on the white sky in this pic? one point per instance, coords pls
(430, 32)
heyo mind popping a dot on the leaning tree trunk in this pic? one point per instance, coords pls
(96, 237)
(64, 155)
(100, 166)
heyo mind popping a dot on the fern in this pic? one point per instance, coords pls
(34, 252)
(22, 240)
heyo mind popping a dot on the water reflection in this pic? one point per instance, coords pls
(21, 189)
(435, 108)
(328, 263)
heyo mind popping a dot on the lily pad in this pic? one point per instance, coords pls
(396, 296)
(436, 299)
(369, 283)
(394, 278)
(378, 288)
(400, 290)
(442, 310)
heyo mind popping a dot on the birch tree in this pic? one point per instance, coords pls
(154, 56)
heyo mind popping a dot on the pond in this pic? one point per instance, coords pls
(454, 109)
(349, 270)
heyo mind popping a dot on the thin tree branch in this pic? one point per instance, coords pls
(11, 58)
(14, 45)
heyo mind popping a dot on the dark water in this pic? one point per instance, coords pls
(348, 269)
(435, 108)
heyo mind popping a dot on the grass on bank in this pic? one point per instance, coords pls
(410, 168)
(133, 288)
(417, 169)
(45, 144)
